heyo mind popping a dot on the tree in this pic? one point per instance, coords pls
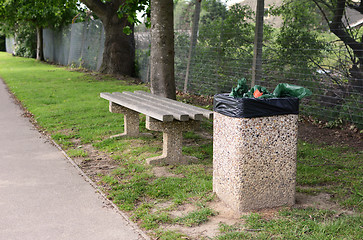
(334, 14)
(298, 45)
(37, 14)
(304, 22)
(118, 18)
(318, 48)
(162, 49)
(119, 49)
(225, 45)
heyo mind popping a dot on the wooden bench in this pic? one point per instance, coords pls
(162, 114)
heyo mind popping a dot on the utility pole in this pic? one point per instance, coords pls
(193, 40)
(257, 49)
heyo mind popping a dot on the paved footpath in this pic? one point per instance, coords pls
(42, 195)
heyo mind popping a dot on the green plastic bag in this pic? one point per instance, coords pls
(282, 90)
(240, 90)
(289, 90)
(258, 92)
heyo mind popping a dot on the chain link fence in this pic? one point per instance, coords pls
(224, 53)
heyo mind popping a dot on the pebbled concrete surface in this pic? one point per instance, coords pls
(42, 195)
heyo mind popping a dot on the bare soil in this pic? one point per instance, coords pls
(348, 136)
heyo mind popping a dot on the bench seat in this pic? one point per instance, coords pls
(162, 114)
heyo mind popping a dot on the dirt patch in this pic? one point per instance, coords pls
(96, 164)
(209, 229)
(183, 210)
(164, 172)
(319, 134)
(105, 77)
(226, 215)
(320, 201)
(195, 99)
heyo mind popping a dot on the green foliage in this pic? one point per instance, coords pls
(224, 50)
(46, 13)
(224, 36)
(297, 45)
(231, 33)
(183, 14)
(25, 41)
(21, 18)
(130, 8)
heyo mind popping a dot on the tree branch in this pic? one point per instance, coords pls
(359, 7)
(322, 11)
(96, 6)
(337, 27)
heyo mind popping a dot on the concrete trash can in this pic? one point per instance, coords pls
(254, 159)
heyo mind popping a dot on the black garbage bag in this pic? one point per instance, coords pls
(259, 102)
(254, 107)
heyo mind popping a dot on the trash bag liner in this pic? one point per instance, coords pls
(254, 107)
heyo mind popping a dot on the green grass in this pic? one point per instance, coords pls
(307, 224)
(64, 100)
(137, 182)
(67, 105)
(297, 224)
(77, 153)
(170, 235)
(335, 170)
(196, 217)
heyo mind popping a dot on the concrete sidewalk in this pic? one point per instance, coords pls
(42, 195)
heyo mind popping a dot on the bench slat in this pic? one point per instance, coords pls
(178, 115)
(206, 113)
(173, 104)
(138, 107)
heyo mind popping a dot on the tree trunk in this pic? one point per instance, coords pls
(119, 51)
(40, 53)
(193, 40)
(162, 49)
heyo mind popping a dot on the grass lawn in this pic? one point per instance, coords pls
(67, 106)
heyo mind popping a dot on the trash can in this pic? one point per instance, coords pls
(254, 151)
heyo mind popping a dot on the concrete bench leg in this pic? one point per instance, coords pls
(172, 141)
(131, 120)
